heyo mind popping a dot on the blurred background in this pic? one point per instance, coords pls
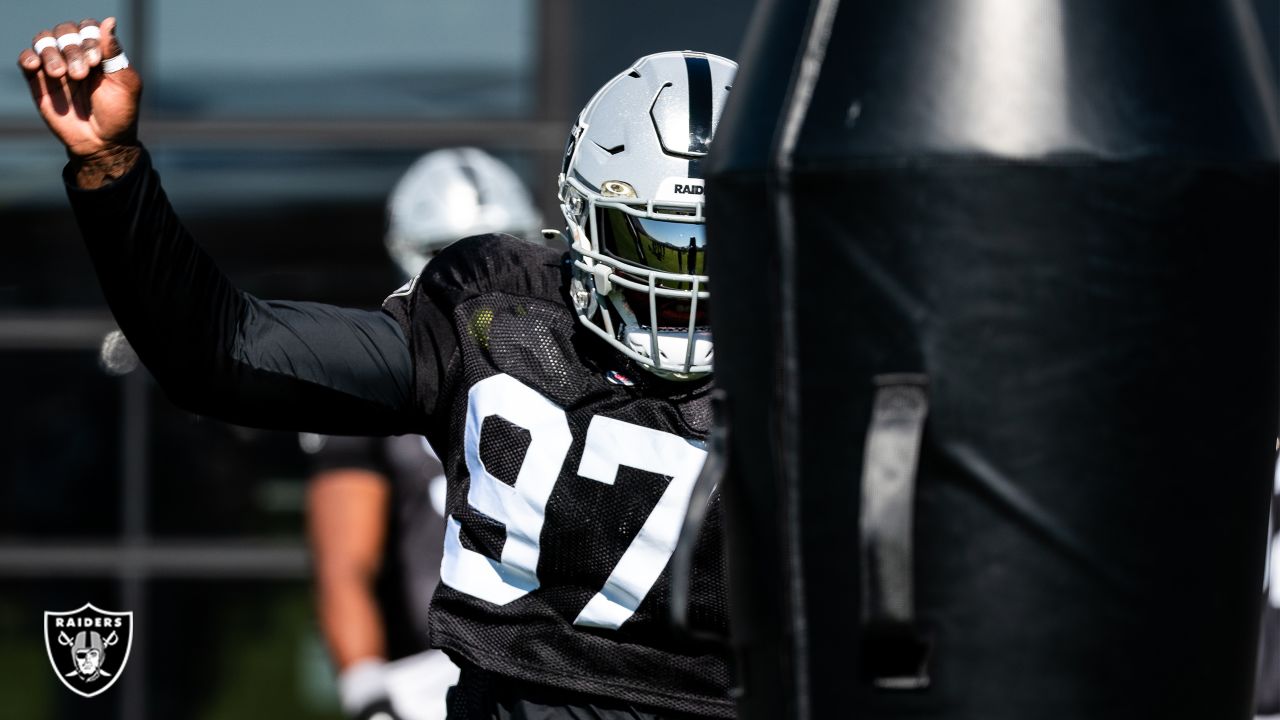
(279, 128)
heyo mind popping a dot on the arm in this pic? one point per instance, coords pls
(214, 349)
(346, 526)
(348, 502)
(221, 352)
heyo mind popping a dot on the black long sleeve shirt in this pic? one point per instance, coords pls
(218, 351)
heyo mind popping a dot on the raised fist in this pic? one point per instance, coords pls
(83, 86)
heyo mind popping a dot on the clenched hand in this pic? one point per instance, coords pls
(86, 97)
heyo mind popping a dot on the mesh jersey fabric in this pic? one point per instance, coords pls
(480, 695)
(493, 305)
(410, 568)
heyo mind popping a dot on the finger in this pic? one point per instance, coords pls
(55, 90)
(90, 34)
(115, 64)
(45, 44)
(29, 61)
(53, 95)
(81, 98)
(35, 82)
(109, 43)
(67, 36)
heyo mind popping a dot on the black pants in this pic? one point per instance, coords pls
(480, 695)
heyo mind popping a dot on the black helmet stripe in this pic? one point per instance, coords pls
(699, 69)
(472, 177)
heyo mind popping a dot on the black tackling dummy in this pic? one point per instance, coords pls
(1013, 269)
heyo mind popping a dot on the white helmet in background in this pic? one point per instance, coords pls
(447, 195)
(631, 190)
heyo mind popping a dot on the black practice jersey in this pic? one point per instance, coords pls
(569, 471)
(569, 475)
(414, 540)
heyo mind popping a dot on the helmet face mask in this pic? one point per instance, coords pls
(641, 266)
(632, 196)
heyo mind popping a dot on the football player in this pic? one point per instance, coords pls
(375, 506)
(567, 393)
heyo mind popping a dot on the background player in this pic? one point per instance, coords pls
(375, 506)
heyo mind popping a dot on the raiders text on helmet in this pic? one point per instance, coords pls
(631, 191)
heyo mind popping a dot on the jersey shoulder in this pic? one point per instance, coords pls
(454, 303)
(493, 263)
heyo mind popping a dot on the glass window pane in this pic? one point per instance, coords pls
(30, 170)
(254, 176)
(209, 478)
(45, 265)
(427, 58)
(60, 457)
(242, 650)
(22, 20)
(282, 223)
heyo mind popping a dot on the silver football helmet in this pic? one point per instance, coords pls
(631, 190)
(447, 195)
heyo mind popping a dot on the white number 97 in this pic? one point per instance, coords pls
(521, 508)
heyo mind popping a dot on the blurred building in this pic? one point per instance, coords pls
(279, 129)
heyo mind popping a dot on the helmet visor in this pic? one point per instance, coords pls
(664, 246)
(672, 247)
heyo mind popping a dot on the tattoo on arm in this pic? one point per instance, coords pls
(104, 167)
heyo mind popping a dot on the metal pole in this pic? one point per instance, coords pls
(134, 427)
(555, 31)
